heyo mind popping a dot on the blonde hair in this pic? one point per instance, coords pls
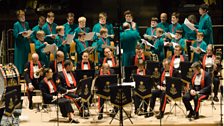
(81, 19)
(39, 33)
(103, 30)
(59, 28)
(20, 12)
(102, 15)
(50, 14)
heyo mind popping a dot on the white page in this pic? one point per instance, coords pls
(89, 36)
(70, 38)
(189, 24)
(147, 43)
(50, 48)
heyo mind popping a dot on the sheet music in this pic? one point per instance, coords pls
(195, 49)
(147, 43)
(29, 32)
(89, 36)
(51, 35)
(70, 38)
(189, 24)
(132, 84)
(50, 48)
(174, 44)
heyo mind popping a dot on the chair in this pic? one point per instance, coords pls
(32, 50)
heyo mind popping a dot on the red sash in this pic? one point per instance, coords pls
(101, 72)
(113, 61)
(82, 65)
(55, 66)
(66, 79)
(31, 68)
(204, 59)
(46, 82)
(50, 27)
(138, 71)
(202, 79)
(136, 59)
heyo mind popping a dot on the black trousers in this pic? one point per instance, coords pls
(197, 99)
(101, 105)
(216, 83)
(65, 106)
(30, 94)
(158, 94)
(73, 96)
(138, 100)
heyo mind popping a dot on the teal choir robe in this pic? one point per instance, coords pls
(78, 30)
(188, 33)
(159, 48)
(174, 27)
(205, 26)
(35, 29)
(128, 40)
(164, 26)
(64, 48)
(98, 44)
(70, 28)
(21, 45)
(80, 47)
(181, 42)
(151, 31)
(48, 30)
(43, 57)
(202, 45)
(97, 27)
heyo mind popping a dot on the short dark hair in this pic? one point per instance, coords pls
(204, 7)
(176, 14)
(67, 63)
(127, 12)
(196, 65)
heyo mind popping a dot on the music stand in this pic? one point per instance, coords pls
(115, 69)
(84, 89)
(128, 72)
(174, 91)
(83, 74)
(120, 97)
(186, 71)
(143, 88)
(154, 69)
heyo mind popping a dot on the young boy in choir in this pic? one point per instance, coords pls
(178, 39)
(61, 42)
(81, 27)
(129, 19)
(39, 26)
(70, 26)
(175, 25)
(104, 24)
(102, 41)
(49, 28)
(200, 47)
(151, 31)
(40, 44)
(81, 45)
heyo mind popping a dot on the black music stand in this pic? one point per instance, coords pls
(103, 83)
(83, 74)
(143, 86)
(120, 97)
(174, 92)
(84, 91)
(128, 72)
(186, 71)
(154, 69)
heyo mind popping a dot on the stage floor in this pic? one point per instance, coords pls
(208, 117)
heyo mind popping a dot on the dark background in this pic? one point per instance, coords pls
(142, 10)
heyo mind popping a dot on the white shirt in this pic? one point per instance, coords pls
(197, 80)
(208, 62)
(85, 67)
(50, 86)
(69, 78)
(59, 65)
(176, 63)
(109, 62)
(35, 69)
(167, 74)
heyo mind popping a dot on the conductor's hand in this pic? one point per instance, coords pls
(193, 92)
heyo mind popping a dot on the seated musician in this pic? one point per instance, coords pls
(160, 91)
(208, 64)
(58, 64)
(32, 76)
(139, 58)
(51, 96)
(200, 88)
(175, 61)
(68, 84)
(85, 63)
(109, 58)
(140, 71)
(104, 70)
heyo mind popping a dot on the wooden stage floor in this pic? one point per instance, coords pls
(208, 117)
